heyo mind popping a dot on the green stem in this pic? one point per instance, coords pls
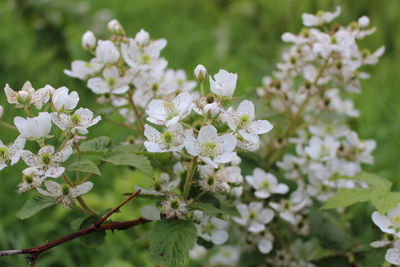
(189, 177)
(202, 88)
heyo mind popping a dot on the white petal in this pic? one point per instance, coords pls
(150, 213)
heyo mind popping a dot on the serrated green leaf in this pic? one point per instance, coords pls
(94, 239)
(348, 196)
(170, 242)
(208, 208)
(369, 178)
(386, 202)
(96, 145)
(84, 166)
(34, 205)
(140, 162)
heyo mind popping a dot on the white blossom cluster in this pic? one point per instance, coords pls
(44, 110)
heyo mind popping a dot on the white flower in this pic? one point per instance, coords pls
(62, 101)
(81, 69)
(200, 73)
(174, 207)
(142, 38)
(197, 252)
(65, 194)
(363, 22)
(207, 106)
(150, 212)
(210, 147)
(30, 181)
(170, 140)
(322, 149)
(27, 95)
(77, 122)
(34, 128)
(114, 26)
(226, 256)
(224, 83)
(389, 223)
(288, 208)
(211, 181)
(11, 153)
(88, 40)
(47, 163)
(211, 228)
(254, 216)
(243, 121)
(166, 183)
(393, 254)
(111, 83)
(169, 112)
(321, 18)
(106, 52)
(265, 184)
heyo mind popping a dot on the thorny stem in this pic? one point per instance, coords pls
(189, 176)
(136, 111)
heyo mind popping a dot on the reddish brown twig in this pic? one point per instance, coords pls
(96, 227)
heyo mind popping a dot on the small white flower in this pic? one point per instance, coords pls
(210, 147)
(81, 69)
(28, 95)
(111, 83)
(47, 163)
(169, 112)
(200, 73)
(11, 153)
(265, 184)
(174, 207)
(30, 181)
(207, 106)
(166, 183)
(211, 181)
(88, 40)
(106, 52)
(64, 194)
(114, 26)
(389, 223)
(322, 149)
(254, 216)
(224, 83)
(197, 252)
(34, 128)
(211, 228)
(243, 121)
(77, 122)
(150, 213)
(170, 140)
(62, 101)
(289, 208)
(321, 18)
(226, 256)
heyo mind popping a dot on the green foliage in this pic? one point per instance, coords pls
(97, 145)
(140, 162)
(170, 242)
(84, 166)
(94, 239)
(378, 193)
(34, 205)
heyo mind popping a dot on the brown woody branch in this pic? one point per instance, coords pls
(96, 227)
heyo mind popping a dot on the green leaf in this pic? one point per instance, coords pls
(34, 205)
(348, 196)
(96, 145)
(133, 148)
(384, 203)
(140, 162)
(94, 239)
(170, 242)
(369, 178)
(84, 166)
(206, 207)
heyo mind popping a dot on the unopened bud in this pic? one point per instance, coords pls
(363, 22)
(142, 38)
(23, 97)
(200, 73)
(115, 27)
(88, 40)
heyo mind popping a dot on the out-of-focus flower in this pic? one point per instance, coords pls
(34, 128)
(62, 101)
(88, 40)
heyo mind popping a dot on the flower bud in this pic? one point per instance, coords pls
(88, 40)
(23, 97)
(1, 111)
(106, 52)
(142, 38)
(115, 27)
(200, 73)
(363, 22)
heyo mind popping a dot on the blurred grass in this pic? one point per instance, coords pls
(38, 39)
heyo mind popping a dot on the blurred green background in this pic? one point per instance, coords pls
(39, 38)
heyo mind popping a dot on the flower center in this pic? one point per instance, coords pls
(210, 180)
(395, 220)
(167, 137)
(244, 120)
(111, 82)
(265, 184)
(209, 148)
(174, 204)
(3, 153)
(76, 119)
(252, 215)
(28, 179)
(65, 189)
(146, 59)
(46, 158)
